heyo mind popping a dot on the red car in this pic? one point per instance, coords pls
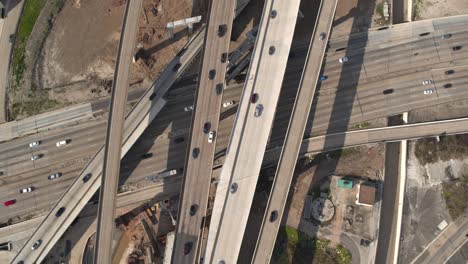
(10, 202)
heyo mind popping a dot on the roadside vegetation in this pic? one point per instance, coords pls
(428, 150)
(456, 196)
(26, 100)
(293, 246)
(31, 12)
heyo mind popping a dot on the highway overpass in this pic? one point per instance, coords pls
(407, 95)
(204, 129)
(294, 134)
(251, 131)
(112, 148)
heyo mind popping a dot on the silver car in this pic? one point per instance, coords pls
(211, 136)
(36, 244)
(428, 91)
(26, 190)
(343, 59)
(258, 110)
(35, 157)
(34, 144)
(54, 176)
(427, 82)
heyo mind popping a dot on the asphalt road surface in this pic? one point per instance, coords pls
(294, 135)
(115, 131)
(205, 121)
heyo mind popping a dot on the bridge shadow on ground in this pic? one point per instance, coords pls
(323, 165)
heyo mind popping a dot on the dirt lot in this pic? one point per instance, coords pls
(364, 162)
(427, 9)
(429, 188)
(72, 60)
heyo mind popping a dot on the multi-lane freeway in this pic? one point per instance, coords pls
(251, 131)
(20, 171)
(204, 130)
(294, 134)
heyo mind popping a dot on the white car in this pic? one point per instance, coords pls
(428, 91)
(343, 59)
(61, 143)
(188, 108)
(426, 82)
(36, 244)
(35, 157)
(34, 144)
(211, 136)
(226, 104)
(26, 190)
(54, 176)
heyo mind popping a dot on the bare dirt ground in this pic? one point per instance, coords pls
(78, 58)
(425, 204)
(427, 9)
(364, 162)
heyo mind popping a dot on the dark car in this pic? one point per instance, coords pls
(457, 48)
(219, 88)
(193, 209)
(222, 29)
(176, 67)
(152, 96)
(273, 216)
(447, 36)
(449, 72)
(12, 38)
(224, 57)
(60, 211)
(388, 91)
(448, 85)
(206, 127)
(195, 153)
(212, 74)
(179, 140)
(187, 248)
(254, 98)
(87, 177)
(147, 155)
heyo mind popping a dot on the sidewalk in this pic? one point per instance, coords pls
(447, 242)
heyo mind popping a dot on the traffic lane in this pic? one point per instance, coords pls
(386, 61)
(47, 140)
(48, 146)
(53, 156)
(384, 245)
(228, 131)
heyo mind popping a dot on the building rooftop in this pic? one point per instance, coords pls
(366, 195)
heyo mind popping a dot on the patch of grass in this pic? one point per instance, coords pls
(362, 125)
(32, 107)
(379, 9)
(293, 246)
(428, 150)
(456, 196)
(31, 12)
(417, 6)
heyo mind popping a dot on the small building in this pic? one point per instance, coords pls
(366, 194)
